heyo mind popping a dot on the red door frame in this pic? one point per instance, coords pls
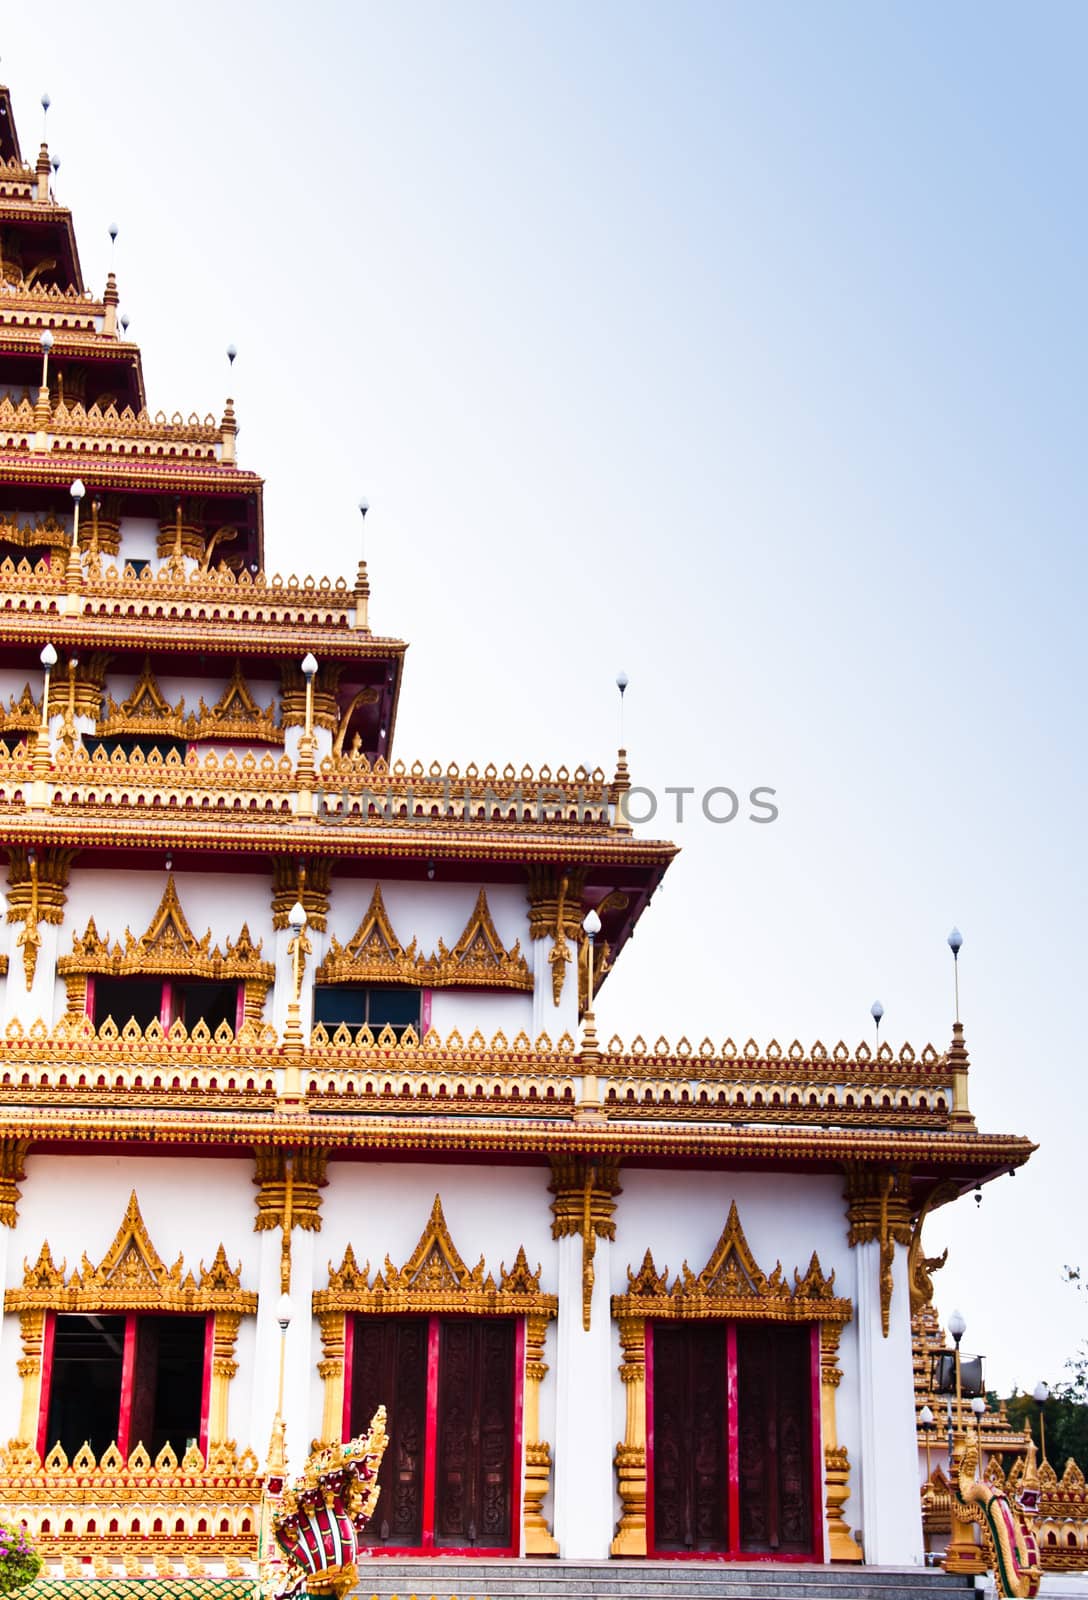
(128, 1368)
(430, 1449)
(734, 1552)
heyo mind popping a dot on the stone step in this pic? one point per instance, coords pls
(498, 1579)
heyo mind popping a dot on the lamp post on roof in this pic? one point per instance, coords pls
(1041, 1394)
(298, 948)
(876, 1011)
(590, 1103)
(307, 772)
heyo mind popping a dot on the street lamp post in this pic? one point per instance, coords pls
(590, 1102)
(1041, 1394)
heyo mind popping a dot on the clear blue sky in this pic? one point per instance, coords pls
(739, 345)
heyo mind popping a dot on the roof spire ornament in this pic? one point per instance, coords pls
(621, 783)
(957, 1055)
(362, 579)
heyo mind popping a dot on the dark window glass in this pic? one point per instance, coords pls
(85, 1383)
(202, 999)
(167, 1383)
(355, 1004)
(122, 998)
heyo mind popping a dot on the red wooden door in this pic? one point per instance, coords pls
(731, 1437)
(389, 1367)
(474, 1448)
(689, 1433)
(449, 1477)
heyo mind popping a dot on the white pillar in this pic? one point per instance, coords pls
(890, 1509)
(583, 1493)
(299, 1357)
(40, 1000)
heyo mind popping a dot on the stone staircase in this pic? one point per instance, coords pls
(484, 1579)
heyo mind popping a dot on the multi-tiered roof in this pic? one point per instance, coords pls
(130, 780)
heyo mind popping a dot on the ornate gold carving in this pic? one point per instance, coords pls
(326, 711)
(181, 530)
(169, 948)
(373, 954)
(479, 957)
(130, 1277)
(364, 697)
(12, 1172)
(879, 1208)
(37, 891)
(555, 912)
(330, 1369)
(920, 1267)
(110, 1508)
(47, 533)
(732, 1286)
(585, 1201)
(630, 1457)
(435, 1279)
(841, 1546)
(307, 1172)
(538, 1456)
(144, 714)
(25, 714)
(235, 715)
(307, 879)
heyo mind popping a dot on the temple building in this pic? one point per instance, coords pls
(302, 1104)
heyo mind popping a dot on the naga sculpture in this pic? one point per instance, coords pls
(318, 1519)
(1006, 1527)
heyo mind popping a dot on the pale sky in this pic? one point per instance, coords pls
(741, 346)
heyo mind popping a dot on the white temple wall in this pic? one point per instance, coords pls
(468, 1009)
(139, 539)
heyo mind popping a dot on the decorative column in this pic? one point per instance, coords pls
(841, 1546)
(225, 1327)
(12, 1172)
(307, 880)
(583, 1225)
(331, 1371)
(630, 1459)
(879, 1210)
(37, 892)
(538, 1456)
(288, 1218)
(555, 929)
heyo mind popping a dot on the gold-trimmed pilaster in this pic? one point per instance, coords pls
(224, 1368)
(630, 1457)
(12, 1172)
(878, 1207)
(555, 913)
(538, 1457)
(840, 1544)
(37, 891)
(331, 1371)
(585, 1200)
(307, 879)
(29, 1368)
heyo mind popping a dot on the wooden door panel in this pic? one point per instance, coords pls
(774, 1443)
(389, 1367)
(474, 1433)
(690, 1463)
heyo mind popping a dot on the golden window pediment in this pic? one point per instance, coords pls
(47, 532)
(145, 713)
(374, 954)
(435, 1278)
(235, 715)
(23, 715)
(169, 948)
(732, 1286)
(479, 958)
(130, 1277)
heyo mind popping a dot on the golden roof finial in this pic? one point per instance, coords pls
(228, 433)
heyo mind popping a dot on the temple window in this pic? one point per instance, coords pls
(192, 1000)
(166, 975)
(130, 1379)
(369, 1005)
(131, 1352)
